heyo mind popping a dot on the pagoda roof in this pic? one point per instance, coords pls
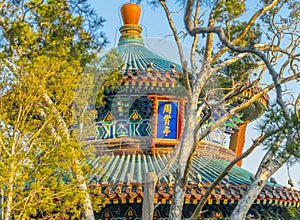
(137, 56)
(131, 47)
(123, 178)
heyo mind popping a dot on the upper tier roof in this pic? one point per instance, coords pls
(137, 56)
(131, 46)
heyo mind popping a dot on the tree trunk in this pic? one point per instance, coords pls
(9, 199)
(148, 201)
(187, 143)
(267, 168)
(1, 203)
(178, 197)
(8, 209)
(246, 202)
(88, 213)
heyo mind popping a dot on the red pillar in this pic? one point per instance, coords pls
(240, 141)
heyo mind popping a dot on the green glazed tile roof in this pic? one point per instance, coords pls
(123, 178)
(126, 168)
(138, 57)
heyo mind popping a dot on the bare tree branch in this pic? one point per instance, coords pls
(179, 46)
(205, 197)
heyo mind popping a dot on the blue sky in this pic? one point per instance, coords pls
(155, 27)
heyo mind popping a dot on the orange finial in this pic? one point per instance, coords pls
(131, 13)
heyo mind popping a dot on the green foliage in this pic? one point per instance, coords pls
(237, 72)
(83, 113)
(252, 36)
(44, 48)
(294, 213)
(240, 70)
(35, 164)
(110, 78)
(90, 152)
(227, 10)
(277, 128)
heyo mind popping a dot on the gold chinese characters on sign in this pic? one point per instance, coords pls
(167, 116)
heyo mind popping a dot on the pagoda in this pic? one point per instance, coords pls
(139, 125)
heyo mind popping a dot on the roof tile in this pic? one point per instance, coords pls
(238, 182)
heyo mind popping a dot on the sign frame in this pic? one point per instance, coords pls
(179, 122)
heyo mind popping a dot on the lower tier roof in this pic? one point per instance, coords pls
(122, 178)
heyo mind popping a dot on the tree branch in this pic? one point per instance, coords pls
(229, 62)
(246, 29)
(195, 41)
(179, 46)
(204, 199)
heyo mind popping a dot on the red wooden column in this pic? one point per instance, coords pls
(237, 141)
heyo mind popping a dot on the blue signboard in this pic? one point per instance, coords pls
(167, 120)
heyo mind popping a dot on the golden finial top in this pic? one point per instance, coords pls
(130, 13)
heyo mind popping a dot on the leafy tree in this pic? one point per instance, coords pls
(295, 214)
(110, 76)
(233, 51)
(44, 47)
